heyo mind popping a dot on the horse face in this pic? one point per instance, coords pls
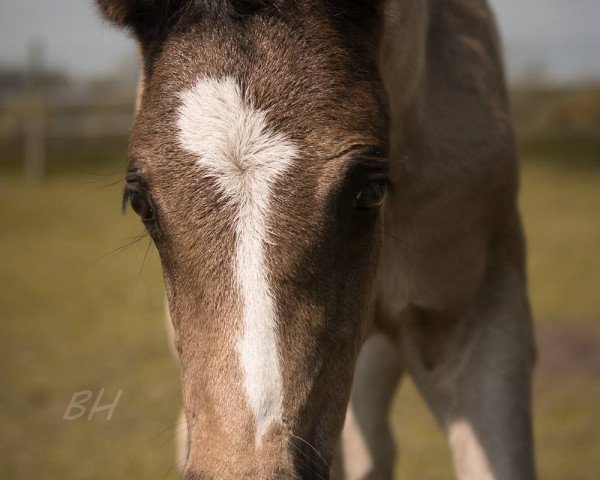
(258, 165)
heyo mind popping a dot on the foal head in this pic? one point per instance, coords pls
(258, 166)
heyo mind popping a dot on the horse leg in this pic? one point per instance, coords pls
(367, 449)
(479, 389)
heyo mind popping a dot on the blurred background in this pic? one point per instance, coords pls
(81, 308)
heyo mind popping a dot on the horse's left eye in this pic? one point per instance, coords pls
(141, 205)
(371, 196)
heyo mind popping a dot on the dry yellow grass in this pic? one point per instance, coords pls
(75, 318)
(561, 210)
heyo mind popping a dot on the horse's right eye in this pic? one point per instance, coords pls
(137, 197)
(141, 205)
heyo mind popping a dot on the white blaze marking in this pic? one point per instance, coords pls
(244, 158)
(469, 456)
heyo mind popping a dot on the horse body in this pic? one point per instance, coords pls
(452, 301)
(266, 137)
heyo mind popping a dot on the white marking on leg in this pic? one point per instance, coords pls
(356, 457)
(469, 457)
(244, 158)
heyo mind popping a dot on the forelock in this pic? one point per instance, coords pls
(161, 15)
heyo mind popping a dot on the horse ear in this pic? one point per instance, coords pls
(148, 19)
(119, 12)
(137, 15)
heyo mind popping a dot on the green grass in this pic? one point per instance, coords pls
(566, 418)
(79, 314)
(567, 149)
(69, 157)
(561, 211)
(75, 317)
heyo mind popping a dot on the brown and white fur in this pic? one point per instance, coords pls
(266, 133)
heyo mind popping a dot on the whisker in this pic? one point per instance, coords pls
(108, 185)
(175, 465)
(123, 247)
(315, 450)
(175, 425)
(86, 193)
(183, 460)
(411, 249)
(150, 442)
(177, 432)
(142, 267)
(94, 174)
(308, 457)
(114, 252)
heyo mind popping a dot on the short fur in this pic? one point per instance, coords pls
(244, 160)
(434, 284)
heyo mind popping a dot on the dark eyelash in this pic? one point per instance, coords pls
(133, 185)
(131, 189)
(388, 185)
(125, 200)
(132, 180)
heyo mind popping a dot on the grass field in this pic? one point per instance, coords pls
(81, 309)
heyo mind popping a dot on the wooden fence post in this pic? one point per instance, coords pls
(35, 129)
